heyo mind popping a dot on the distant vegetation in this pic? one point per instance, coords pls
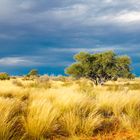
(4, 76)
(100, 67)
(33, 72)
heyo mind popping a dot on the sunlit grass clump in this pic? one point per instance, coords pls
(66, 109)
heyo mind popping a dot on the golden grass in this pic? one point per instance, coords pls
(67, 109)
(41, 119)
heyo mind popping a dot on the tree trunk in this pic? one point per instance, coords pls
(96, 82)
(101, 81)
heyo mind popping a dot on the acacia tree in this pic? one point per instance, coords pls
(100, 67)
(33, 72)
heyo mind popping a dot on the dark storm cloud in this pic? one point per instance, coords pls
(46, 33)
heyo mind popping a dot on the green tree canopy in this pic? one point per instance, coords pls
(100, 67)
(33, 72)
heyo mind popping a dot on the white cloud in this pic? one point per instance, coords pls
(17, 61)
(70, 11)
(79, 12)
(128, 17)
(32, 61)
(123, 14)
(122, 17)
(108, 1)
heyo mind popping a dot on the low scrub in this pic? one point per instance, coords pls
(4, 76)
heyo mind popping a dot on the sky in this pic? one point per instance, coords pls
(45, 34)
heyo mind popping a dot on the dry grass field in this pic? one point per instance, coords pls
(59, 108)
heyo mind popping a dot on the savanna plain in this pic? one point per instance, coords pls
(63, 108)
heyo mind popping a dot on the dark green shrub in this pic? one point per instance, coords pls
(4, 76)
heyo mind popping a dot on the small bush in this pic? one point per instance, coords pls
(33, 72)
(4, 76)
